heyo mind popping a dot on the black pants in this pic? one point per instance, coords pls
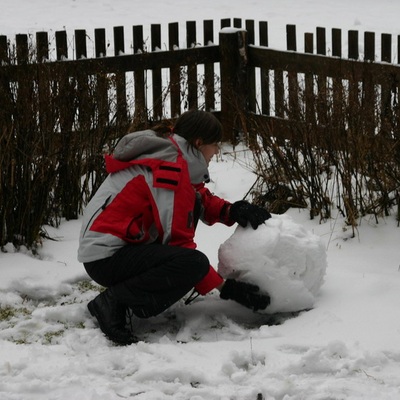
(149, 278)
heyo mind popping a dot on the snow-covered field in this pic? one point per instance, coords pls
(345, 347)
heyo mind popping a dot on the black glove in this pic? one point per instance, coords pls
(243, 212)
(245, 294)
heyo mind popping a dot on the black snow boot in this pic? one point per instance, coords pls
(111, 317)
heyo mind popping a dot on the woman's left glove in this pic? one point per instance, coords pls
(246, 294)
(243, 212)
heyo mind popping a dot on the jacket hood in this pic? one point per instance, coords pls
(147, 145)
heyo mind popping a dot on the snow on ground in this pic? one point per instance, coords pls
(346, 347)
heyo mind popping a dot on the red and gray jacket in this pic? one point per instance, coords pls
(150, 195)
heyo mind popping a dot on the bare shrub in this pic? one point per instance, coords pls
(56, 126)
(343, 156)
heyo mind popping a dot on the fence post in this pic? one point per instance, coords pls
(233, 55)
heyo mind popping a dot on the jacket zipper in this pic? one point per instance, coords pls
(102, 207)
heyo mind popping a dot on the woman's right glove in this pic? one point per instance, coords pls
(243, 212)
(245, 294)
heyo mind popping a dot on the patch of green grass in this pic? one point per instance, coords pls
(80, 325)
(8, 312)
(20, 341)
(49, 336)
(86, 286)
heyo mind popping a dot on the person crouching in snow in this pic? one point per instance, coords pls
(137, 236)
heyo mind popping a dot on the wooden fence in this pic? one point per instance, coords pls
(49, 108)
(153, 82)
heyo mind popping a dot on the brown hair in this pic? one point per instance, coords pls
(193, 125)
(197, 124)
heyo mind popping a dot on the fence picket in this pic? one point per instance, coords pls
(321, 41)
(80, 44)
(251, 72)
(397, 97)
(67, 190)
(119, 40)
(337, 84)
(237, 22)
(102, 100)
(21, 41)
(120, 80)
(353, 89)
(156, 74)
(61, 45)
(388, 86)
(336, 42)
(369, 46)
(191, 41)
(369, 93)
(309, 82)
(209, 70)
(386, 47)
(397, 103)
(353, 45)
(174, 71)
(322, 95)
(398, 49)
(3, 50)
(293, 85)
(42, 46)
(100, 42)
(308, 43)
(85, 101)
(7, 171)
(279, 93)
(140, 109)
(45, 109)
(225, 23)
(291, 44)
(264, 73)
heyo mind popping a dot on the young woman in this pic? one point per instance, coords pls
(137, 236)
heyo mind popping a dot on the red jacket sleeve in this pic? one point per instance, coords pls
(215, 208)
(209, 282)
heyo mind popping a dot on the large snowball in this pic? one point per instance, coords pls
(281, 257)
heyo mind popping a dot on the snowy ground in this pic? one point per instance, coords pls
(346, 347)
